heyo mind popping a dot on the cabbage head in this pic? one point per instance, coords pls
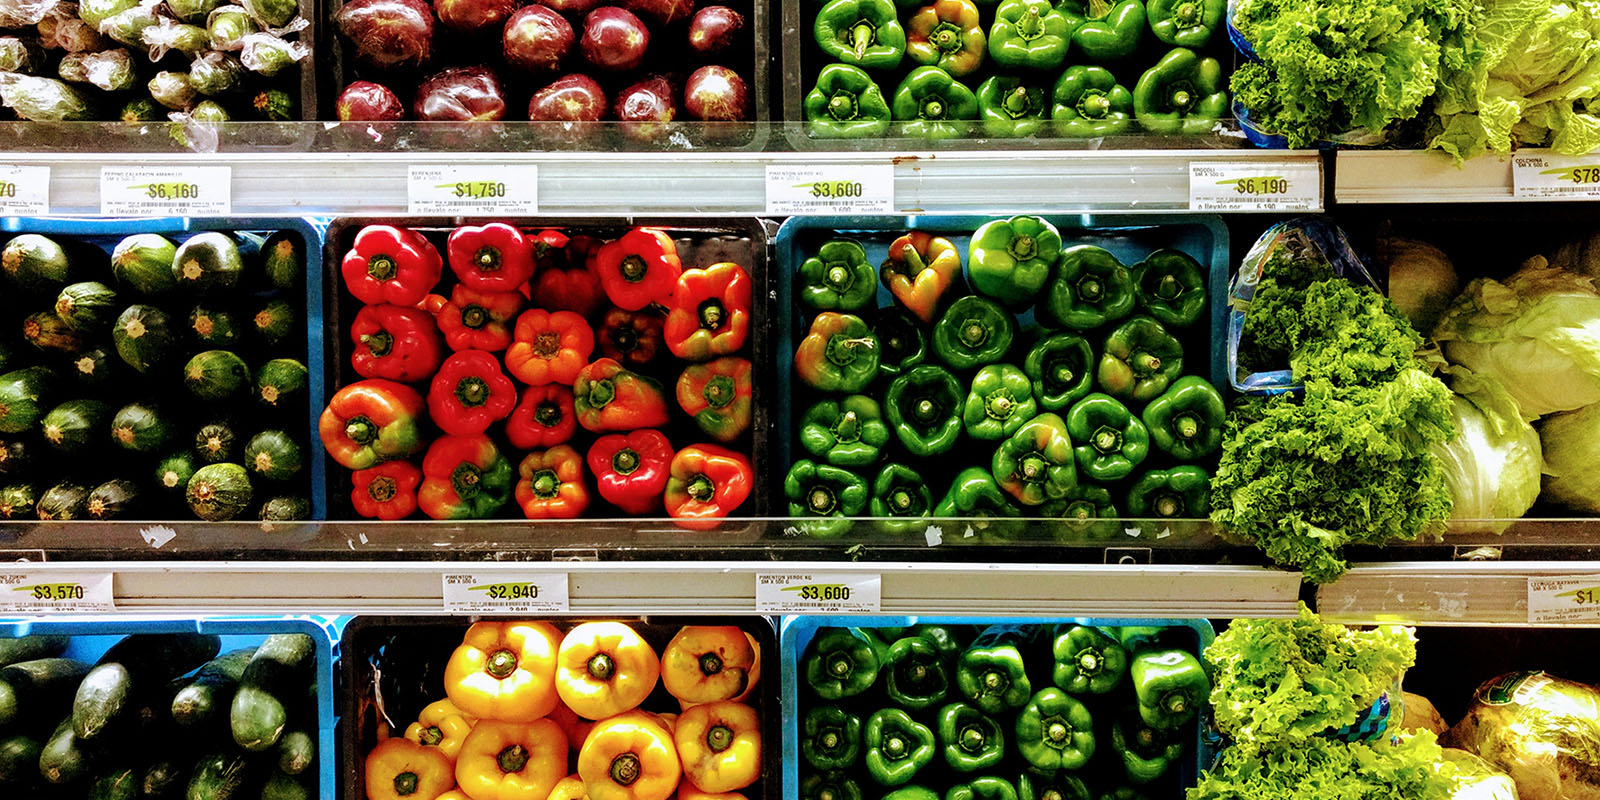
(1572, 458)
(1492, 463)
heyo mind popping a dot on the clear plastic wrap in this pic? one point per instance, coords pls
(228, 26)
(269, 55)
(1542, 730)
(216, 74)
(271, 13)
(111, 71)
(22, 13)
(389, 34)
(128, 26)
(460, 94)
(168, 35)
(174, 90)
(43, 99)
(194, 12)
(20, 55)
(1477, 779)
(61, 29)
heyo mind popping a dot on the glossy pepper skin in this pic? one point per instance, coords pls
(919, 271)
(543, 418)
(562, 280)
(1105, 30)
(861, 33)
(706, 483)
(991, 673)
(1186, 421)
(1011, 260)
(399, 768)
(822, 490)
(924, 410)
(1170, 287)
(1055, 731)
(490, 258)
(630, 337)
(387, 491)
(987, 787)
(608, 397)
(371, 421)
(1139, 361)
(974, 494)
(1061, 369)
(717, 395)
(1091, 288)
(1170, 686)
(392, 265)
(720, 744)
(1029, 34)
(604, 669)
(1087, 661)
(549, 347)
(1034, 785)
(975, 331)
(1179, 492)
(846, 104)
(1146, 754)
(999, 402)
(831, 784)
(706, 663)
(710, 312)
(1035, 465)
(630, 757)
(475, 320)
(631, 470)
(841, 663)
(505, 670)
(395, 343)
(896, 747)
(1186, 23)
(470, 393)
(830, 738)
(464, 477)
(837, 278)
(947, 34)
(1183, 93)
(640, 268)
(512, 760)
(441, 725)
(550, 484)
(912, 793)
(1088, 102)
(1086, 512)
(901, 342)
(1109, 441)
(899, 492)
(931, 104)
(917, 674)
(1011, 107)
(838, 354)
(969, 740)
(848, 432)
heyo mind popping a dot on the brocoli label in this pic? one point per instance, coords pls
(1553, 177)
(470, 593)
(24, 190)
(1574, 598)
(1289, 185)
(55, 592)
(166, 191)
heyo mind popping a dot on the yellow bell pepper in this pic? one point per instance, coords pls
(630, 757)
(707, 663)
(511, 760)
(686, 791)
(505, 671)
(575, 727)
(570, 788)
(400, 769)
(670, 721)
(720, 744)
(441, 725)
(604, 669)
(453, 794)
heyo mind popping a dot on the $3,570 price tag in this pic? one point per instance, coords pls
(55, 592)
(473, 189)
(24, 190)
(1552, 177)
(800, 592)
(830, 189)
(154, 191)
(513, 592)
(1573, 598)
(1255, 186)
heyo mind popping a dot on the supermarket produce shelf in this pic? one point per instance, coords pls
(1412, 176)
(1433, 593)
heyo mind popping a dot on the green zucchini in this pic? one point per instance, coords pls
(209, 694)
(214, 443)
(15, 455)
(63, 501)
(19, 759)
(65, 758)
(47, 332)
(164, 779)
(284, 509)
(143, 262)
(113, 499)
(36, 263)
(297, 751)
(274, 322)
(174, 472)
(208, 262)
(281, 667)
(282, 787)
(92, 368)
(220, 776)
(274, 455)
(71, 426)
(34, 646)
(273, 105)
(140, 111)
(144, 337)
(284, 259)
(118, 784)
(218, 492)
(216, 375)
(87, 306)
(25, 396)
(213, 327)
(18, 501)
(281, 382)
(139, 427)
(38, 689)
(107, 697)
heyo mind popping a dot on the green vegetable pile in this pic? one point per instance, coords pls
(1317, 769)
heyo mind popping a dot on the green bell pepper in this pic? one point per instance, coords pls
(823, 490)
(1088, 102)
(1029, 34)
(947, 34)
(1187, 23)
(1111, 441)
(1034, 785)
(1087, 661)
(924, 410)
(912, 793)
(917, 673)
(1170, 686)
(987, 787)
(900, 340)
(999, 402)
(1146, 753)
(1122, 793)
(973, 332)
(944, 638)
(1011, 107)
(830, 738)
(1010, 260)
(846, 104)
(1182, 93)
(862, 33)
(1187, 419)
(842, 662)
(833, 784)
(1170, 287)
(1085, 513)
(889, 634)
(898, 492)
(1062, 370)
(933, 105)
(897, 746)
(975, 495)
(1139, 638)
(838, 278)
(1105, 30)
(991, 673)
(1139, 361)
(1179, 492)
(1035, 464)
(1091, 288)
(838, 354)
(969, 739)
(848, 432)
(1055, 731)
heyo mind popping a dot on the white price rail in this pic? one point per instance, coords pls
(1273, 186)
(830, 189)
(166, 191)
(818, 593)
(508, 592)
(24, 592)
(1567, 599)
(24, 190)
(1553, 177)
(488, 189)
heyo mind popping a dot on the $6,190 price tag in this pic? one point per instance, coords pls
(791, 592)
(467, 593)
(473, 189)
(38, 593)
(1255, 186)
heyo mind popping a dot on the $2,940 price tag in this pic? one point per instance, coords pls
(830, 189)
(1573, 598)
(153, 191)
(466, 593)
(1255, 186)
(55, 592)
(1553, 177)
(473, 189)
(791, 592)
(24, 190)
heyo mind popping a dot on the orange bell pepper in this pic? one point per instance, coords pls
(575, 727)
(720, 744)
(630, 757)
(505, 671)
(569, 788)
(550, 484)
(400, 769)
(549, 347)
(919, 271)
(604, 669)
(706, 663)
(441, 725)
(687, 791)
(512, 760)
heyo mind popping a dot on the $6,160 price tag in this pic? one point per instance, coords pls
(790, 592)
(36, 593)
(1567, 599)
(473, 189)
(153, 191)
(522, 591)
(830, 189)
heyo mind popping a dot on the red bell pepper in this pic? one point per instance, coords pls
(432, 303)
(390, 265)
(630, 470)
(371, 421)
(717, 395)
(607, 397)
(638, 269)
(399, 343)
(543, 418)
(490, 258)
(549, 347)
(551, 484)
(475, 320)
(562, 280)
(470, 393)
(464, 477)
(706, 483)
(387, 491)
(631, 337)
(710, 312)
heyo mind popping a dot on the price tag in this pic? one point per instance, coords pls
(1568, 599)
(1551, 177)
(830, 189)
(24, 190)
(817, 593)
(1255, 186)
(166, 191)
(466, 593)
(473, 189)
(55, 592)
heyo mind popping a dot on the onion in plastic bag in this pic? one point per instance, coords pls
(460, 94)
(1542, 730)
(389, 34)
(43, 99)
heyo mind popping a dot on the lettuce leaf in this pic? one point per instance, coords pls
(1492, 464)
(1320, 769)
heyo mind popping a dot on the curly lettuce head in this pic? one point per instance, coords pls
(1317, 769)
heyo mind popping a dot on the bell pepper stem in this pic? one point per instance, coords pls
(1149, 362)
(1168, 288)
(405, 784)
(821, 500)
(719, 391)
(1175, 702)
(894, 746)
(710, 664)
(379, 344)
(1167, 506)
(841, 351)
(624, 462)
(501, 664)
(933, 108)
(625, 769)
(512, 759)
(946, 37)
(360, 430)
(1186, 427)
(1094, 105)
(849, 428)
(633, 269)
(925, 410)
(547, 414)
(840, 665)
(973, 333)
(430, 736)
(1090, 289)
(900, 500)
(993, 681)
(701, 489)
(972, 739)
(601, 667)
(545, 483)
(1033, 469)
(1107, 440)
(1030, 25)
(719, 738)
(382, 489)
(1089, 662)
(842, 106)
(466, 480)
(601, 393)
(474, 317)
(1023, 247)
(1063, 374)
(712, 314)
(861, 35)
(1056, 732)
(547, 344)
(487, 259)
(1099, 9)
(382, 267)
(472, 391)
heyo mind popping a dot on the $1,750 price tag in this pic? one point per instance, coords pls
(830, 189)
(466, 593)
(24, 190)
(473, 189)
(1574, 598)
(55, 592)
(1255, 186)
(800, 592)
(1553, 177)
(156, 191)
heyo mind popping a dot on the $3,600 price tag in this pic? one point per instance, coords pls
(473, 189)
(55, 592)
(24, 190)
(830, 189)
(1573, 598)
(1255, 186)
(518, 592)
(154, 191)
(792, 592)
(1553, 177)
